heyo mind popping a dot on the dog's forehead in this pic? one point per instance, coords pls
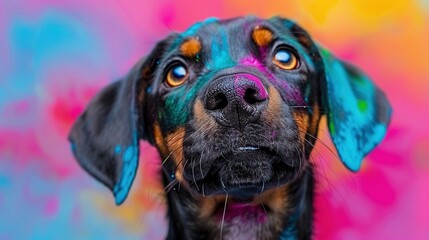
(227, 41)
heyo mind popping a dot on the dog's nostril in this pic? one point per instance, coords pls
(251, 96)
(217, 101)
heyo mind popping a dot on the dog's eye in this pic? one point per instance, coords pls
(285, 59)
(177, 75)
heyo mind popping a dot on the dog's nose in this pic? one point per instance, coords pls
(236, 100)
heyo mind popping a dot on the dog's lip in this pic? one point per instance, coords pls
(248, 148)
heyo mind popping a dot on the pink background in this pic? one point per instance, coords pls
(55, 55)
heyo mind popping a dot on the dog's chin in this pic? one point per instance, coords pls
(243, 173)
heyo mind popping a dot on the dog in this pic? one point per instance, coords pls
(233, 107)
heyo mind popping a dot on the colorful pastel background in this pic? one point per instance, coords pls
(55, 55)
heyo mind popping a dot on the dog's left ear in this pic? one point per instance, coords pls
(358, 112)
(105, 138)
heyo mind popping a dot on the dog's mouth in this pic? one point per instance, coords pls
(242, 173)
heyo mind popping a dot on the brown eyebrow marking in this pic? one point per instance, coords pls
(191, 47)
(262, 36)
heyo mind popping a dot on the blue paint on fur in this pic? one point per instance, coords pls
(118, 149)
(149, 89)
(220, 52)
(130, 158)
(289, 233)
(353, 118)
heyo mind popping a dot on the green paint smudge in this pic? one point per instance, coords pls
(362, 105)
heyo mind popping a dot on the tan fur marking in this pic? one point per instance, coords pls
(301, 120)
(315, 120)
(276, 199)
(274, 105)
(262, 36)
(174, 142)
(209, 204)
(202, 119)
(191, 47)
(159, 139)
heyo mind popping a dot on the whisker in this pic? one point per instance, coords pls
(263, 187)
(323, 143)
(330, 168)
(323, 169)
(171, 185)
(193, 174)
(223, 216)
(334, 155)
(306, 106)
(165, 160)
(263, 207)
(204, 194)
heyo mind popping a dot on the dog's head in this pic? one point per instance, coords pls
(233, 107)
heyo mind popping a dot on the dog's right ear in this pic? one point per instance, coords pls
(105, 138)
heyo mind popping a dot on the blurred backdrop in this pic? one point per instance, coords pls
(55, 55)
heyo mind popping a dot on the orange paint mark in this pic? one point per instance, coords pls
(262, 36)
(191, 47)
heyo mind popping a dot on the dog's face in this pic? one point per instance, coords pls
(233, 107)
(236, 106)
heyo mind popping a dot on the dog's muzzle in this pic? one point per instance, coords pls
(245, 151)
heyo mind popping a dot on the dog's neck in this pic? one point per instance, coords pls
(244, 222)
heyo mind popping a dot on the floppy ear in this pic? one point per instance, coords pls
(105, 138)
(358, 112)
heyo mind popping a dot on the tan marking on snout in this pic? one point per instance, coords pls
(191, 47)
(174, 142)
(274, 109)
(262, 36)
(204, 123)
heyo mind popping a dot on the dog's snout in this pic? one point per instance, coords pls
(236, 100)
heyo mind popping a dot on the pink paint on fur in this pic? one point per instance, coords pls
(243, 212)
